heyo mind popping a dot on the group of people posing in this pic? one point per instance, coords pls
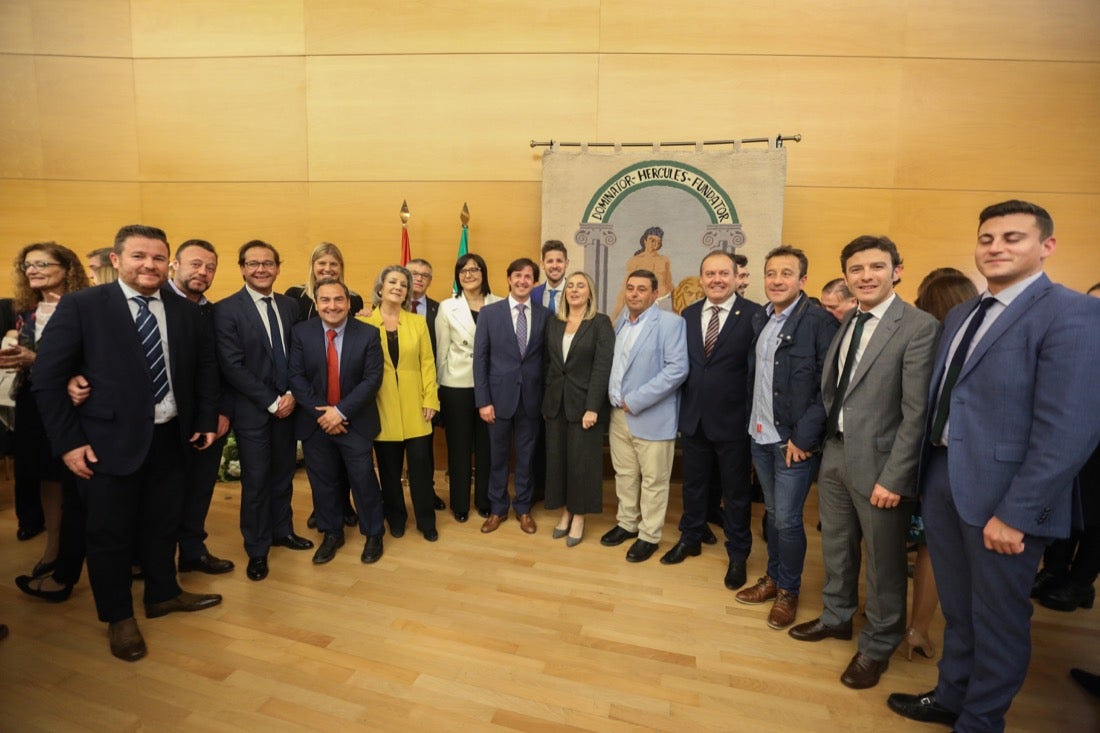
(982, 410)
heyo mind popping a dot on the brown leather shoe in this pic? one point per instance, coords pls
(491, 524)
(185, 601)
(527, 523)
(783, 610)
(126, 641)
(763, 591)
(863, 672)
(816, 631)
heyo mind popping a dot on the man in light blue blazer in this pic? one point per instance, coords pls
(1013, 415)
(649, 365)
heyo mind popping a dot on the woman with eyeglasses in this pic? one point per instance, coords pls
(467, 434)
(407, 402)
(44, 273)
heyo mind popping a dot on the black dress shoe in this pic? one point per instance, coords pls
(53, 596)
(350, 518)
(372, 550)
(1089, 682)
(28, 533)
(185, 602)
(1044, 579)
(312, 521)
(1068, 596)
(329, 545)
(439, 504)
(208, 564)
(483, 513)
(616, 537)
(736, 575)
(257, 568)
(679, 553)
(461, 517)
(641, 551)
(923, 708)
(431, 535)
(292, 542)
(816, 631)
(397, 532)
(708, 537)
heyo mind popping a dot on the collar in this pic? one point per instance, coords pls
(175, 289)
(257, 296)
(727, 306)
(1009, 294)
(879, 310)
(512, 303)
(129, 293)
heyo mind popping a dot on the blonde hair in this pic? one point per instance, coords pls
(563, 303)
(322, 249)
(376, 292)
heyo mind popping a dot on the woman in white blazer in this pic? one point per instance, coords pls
(466, 433)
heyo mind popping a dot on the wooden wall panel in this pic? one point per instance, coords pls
(451, 26)
(16, 27)
(86, 118)
(20, 131)
(444, 117)
(169, 28)
(81, 28)
(845, 109)
(999, 125)
(222, 119)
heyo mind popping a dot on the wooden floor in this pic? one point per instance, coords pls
(503, 632)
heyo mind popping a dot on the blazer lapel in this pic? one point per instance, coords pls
(1021, 305)
(831, 373)
(583, 332)
(884, 331)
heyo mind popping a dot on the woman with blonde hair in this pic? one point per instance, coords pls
(326, 262)
(579, 345)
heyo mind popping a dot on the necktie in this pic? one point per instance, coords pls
(552, 305)
(149, 335)
(521, 329)
(712, 332)
(278, 353)
(943, 407)
(846, 374)
(332, 393)
(417, 306)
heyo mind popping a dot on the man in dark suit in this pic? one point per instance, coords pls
(508, 390)
(787, 423)
(422, 305)
(153, 379)
(335, 373)
(874, 387)
(253, 335)
(555, 261)
(1013, 416)
(714, 412)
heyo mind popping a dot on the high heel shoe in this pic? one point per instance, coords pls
(53, 596)
(43, 568)
(572, 541)
(916, 641)
(559, 532)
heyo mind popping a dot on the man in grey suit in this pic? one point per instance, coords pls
(874, 387)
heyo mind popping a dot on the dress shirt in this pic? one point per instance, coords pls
(164, 410)
(420, 306)
(261, 308)
(175, 289)
(625, 337)
(512, 303)
(724, 310)
(339, 343)
(762, 419)
(868, 331)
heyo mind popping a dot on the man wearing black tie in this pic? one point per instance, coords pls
(335, 373)
(153, 380)
(422, 305)
(253, 327)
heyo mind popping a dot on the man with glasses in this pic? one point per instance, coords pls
(253, 328)
(422, 305)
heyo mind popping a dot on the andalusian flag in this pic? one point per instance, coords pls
(463, 242)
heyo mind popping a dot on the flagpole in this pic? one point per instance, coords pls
(406, 249)
(464, 240)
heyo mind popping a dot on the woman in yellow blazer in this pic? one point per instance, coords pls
(407, 402)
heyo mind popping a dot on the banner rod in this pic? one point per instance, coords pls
(779, 140)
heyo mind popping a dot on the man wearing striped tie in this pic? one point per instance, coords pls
(150, 365)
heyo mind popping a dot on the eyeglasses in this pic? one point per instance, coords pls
(39, 265)
(469, 271)
(257, 264)
(422, 275)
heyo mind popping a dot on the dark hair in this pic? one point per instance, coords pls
(200, 243)
(648, 274)
(476, 259)
(1015, 206)
(257, 243)
(139, 230)
(838, 286)
(786, 250)
(655, 231)
(866, 242)
(718, 253)
(1094, 288)
(522, 262)
(27, 297)
(554, 245)
(332, 281)
(740, 260)
(939, 293)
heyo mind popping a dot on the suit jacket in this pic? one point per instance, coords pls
(1025, 412)
(804, 340)
(578, 383)
(717, 394)
(409, 385)
(539, 290)
(655, 368)
(454, 330)
(430, 316)
(93, 333)
(360, 376)
(886, 400)
(502, 378)
(245, 354)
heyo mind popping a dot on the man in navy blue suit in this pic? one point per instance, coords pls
(150, 367)
(253, 336)
(1013, 415)
(335, 373)
(508, 390)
